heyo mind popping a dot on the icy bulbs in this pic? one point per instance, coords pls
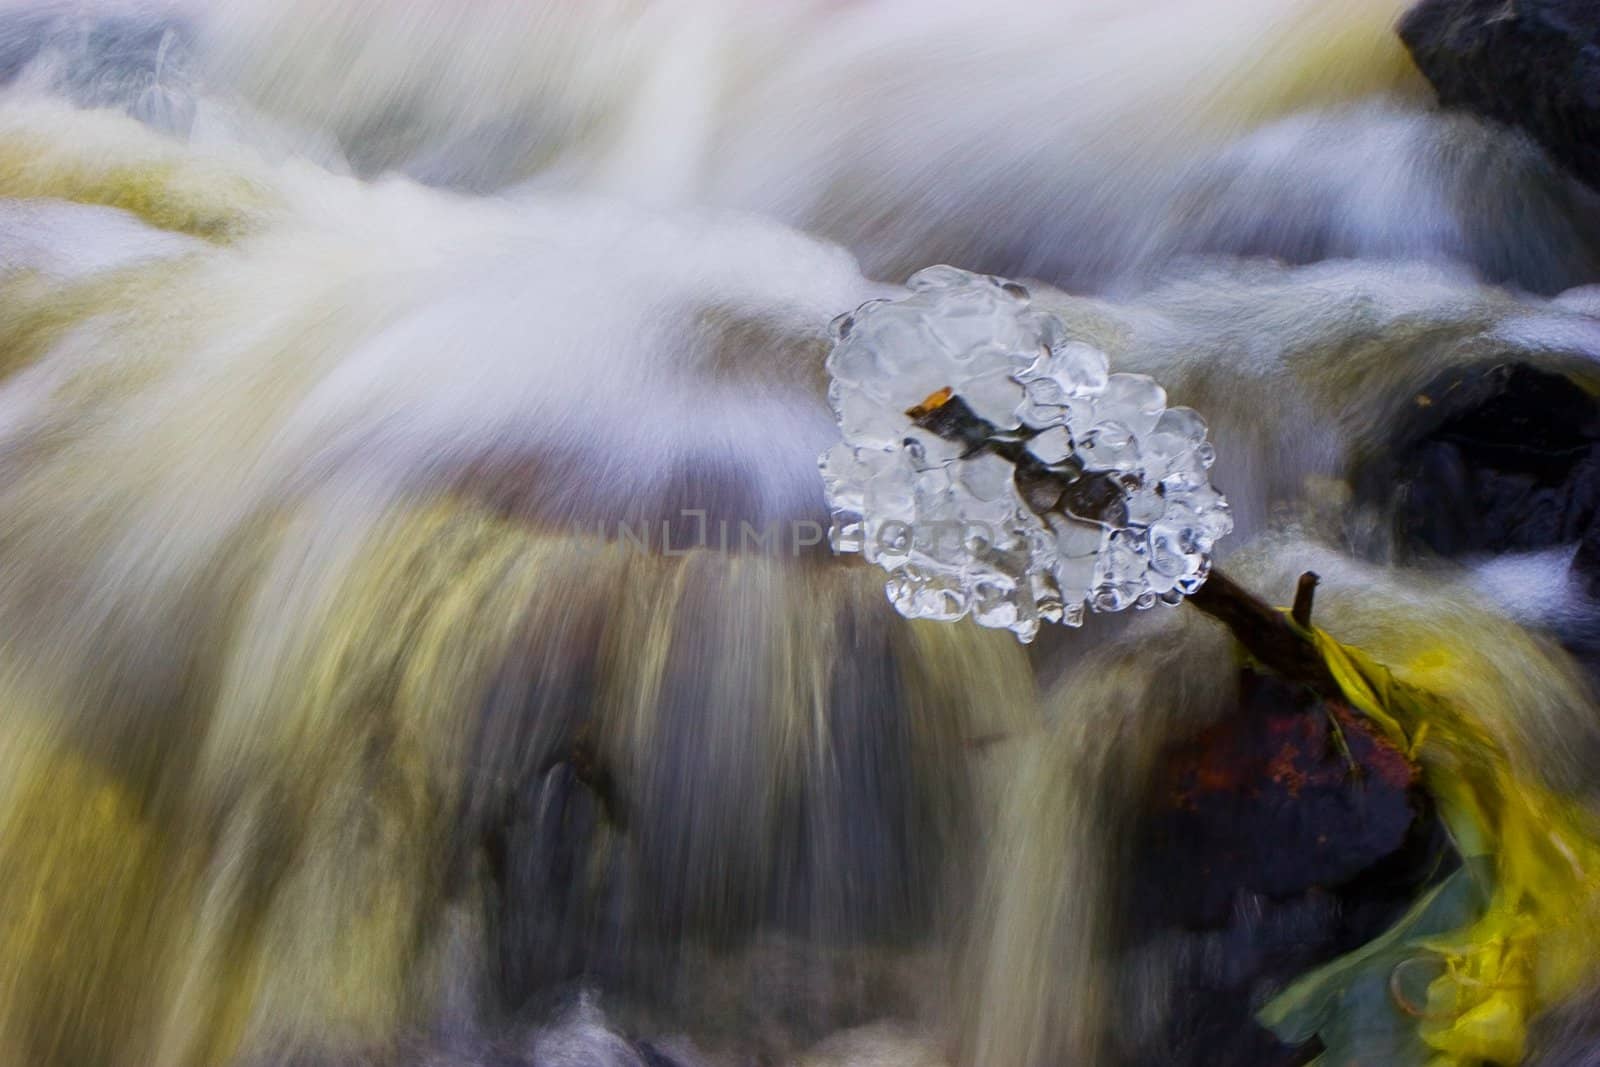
(994, 468)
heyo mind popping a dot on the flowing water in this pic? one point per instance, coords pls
(418, 642)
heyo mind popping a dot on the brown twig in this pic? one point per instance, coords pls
(1303, 594)
(1265, 632)
(1100, 496)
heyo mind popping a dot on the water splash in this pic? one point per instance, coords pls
(995, 468)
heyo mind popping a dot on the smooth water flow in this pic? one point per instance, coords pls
(421, 641)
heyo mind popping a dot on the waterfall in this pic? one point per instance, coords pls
(419, 641)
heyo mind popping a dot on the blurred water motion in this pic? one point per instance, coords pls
(418, 642)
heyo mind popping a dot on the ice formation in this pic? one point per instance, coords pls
(993, 467)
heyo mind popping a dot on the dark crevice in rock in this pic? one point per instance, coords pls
(1499, 459)
(1492, 459)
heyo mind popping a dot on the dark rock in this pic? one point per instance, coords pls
(1493, 459)
(1266, 852)
(1532, 64)
(1266, 802)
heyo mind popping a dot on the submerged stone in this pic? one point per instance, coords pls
(1267, 849)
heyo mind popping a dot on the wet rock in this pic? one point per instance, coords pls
(1492, 460)
(1269, 848)
(1267, 802)
(1532, 64)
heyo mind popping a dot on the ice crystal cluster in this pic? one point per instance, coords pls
(993, 467)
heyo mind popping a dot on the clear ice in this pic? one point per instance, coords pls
(994, 467)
